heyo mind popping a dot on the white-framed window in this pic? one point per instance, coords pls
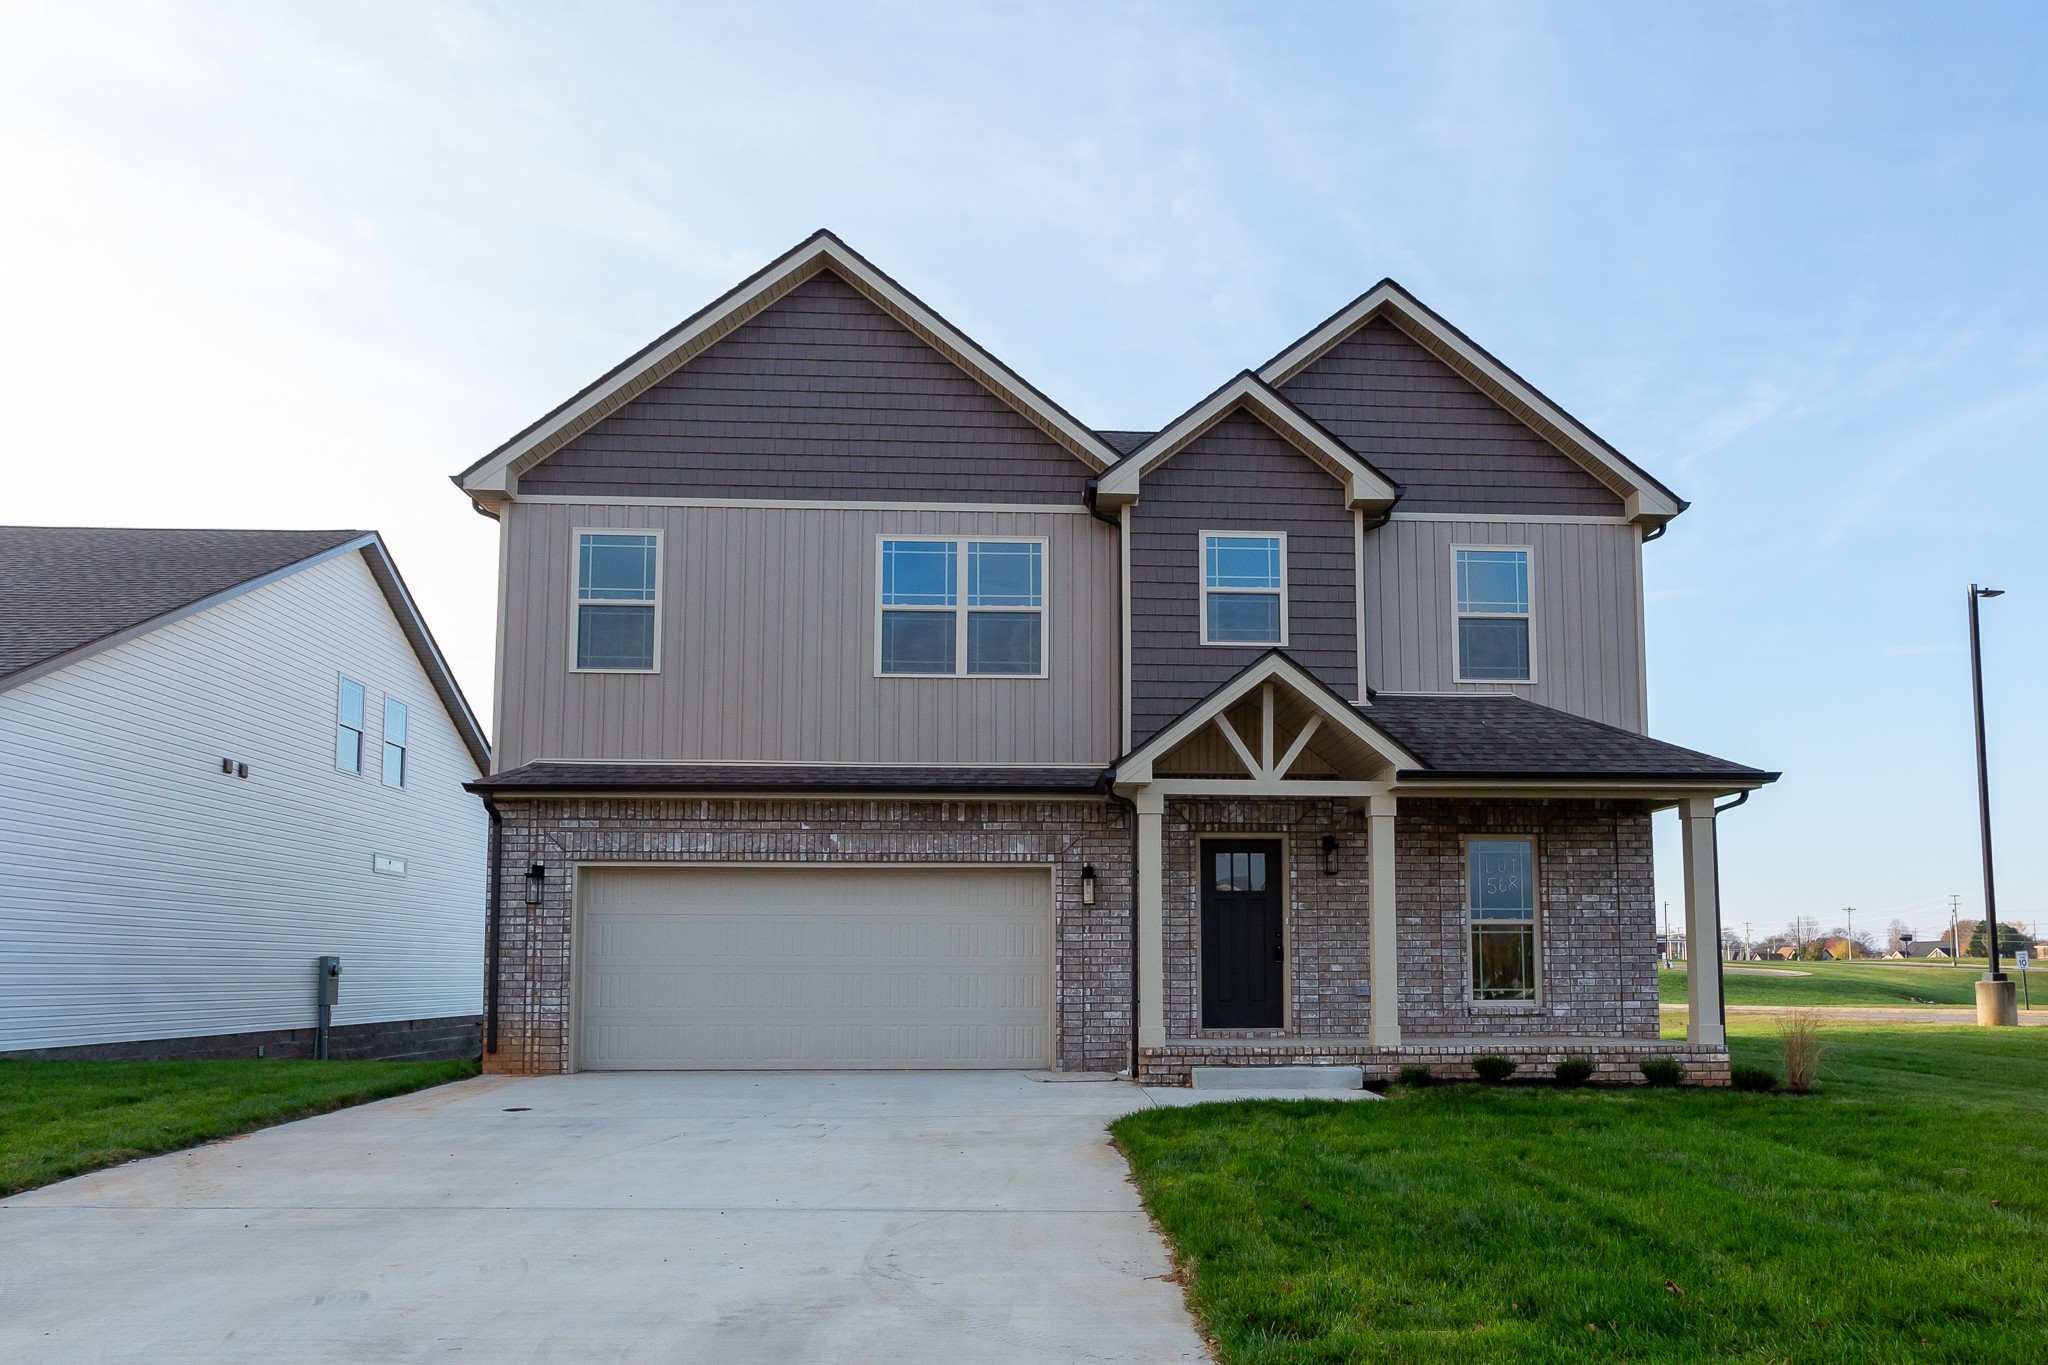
(617, 606)
(348, 726)
(394, 742)
(965, 608)
(1500, 902)
(1493, 614)
(1244, 587)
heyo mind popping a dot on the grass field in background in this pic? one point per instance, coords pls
(1882, 984)
(1901, 1214)
(60, 1119)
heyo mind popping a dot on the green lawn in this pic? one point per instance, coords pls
(60, 1119)
(1844, 983)
(1899, 1215)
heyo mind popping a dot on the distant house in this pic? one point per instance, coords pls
(1927, 949)
(224, 754)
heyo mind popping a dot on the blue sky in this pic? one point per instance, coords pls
(292, 265)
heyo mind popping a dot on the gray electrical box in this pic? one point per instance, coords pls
(328, 984)
(330, 981)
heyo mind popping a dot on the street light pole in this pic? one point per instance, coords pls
(1995, 1004)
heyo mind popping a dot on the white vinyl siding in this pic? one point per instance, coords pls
(825, 967)
(148, 895)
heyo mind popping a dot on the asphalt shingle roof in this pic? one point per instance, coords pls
(1504, 736)
(62, 587)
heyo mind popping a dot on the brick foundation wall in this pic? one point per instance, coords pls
(1091, 944)
(398, 1040)
(1615, 1061)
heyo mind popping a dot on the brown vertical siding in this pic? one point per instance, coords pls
(1239, 475)
(823, 395)
(768, 645)
(1450, 446)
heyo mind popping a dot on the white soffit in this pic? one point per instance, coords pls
(1643, 497)
(493, 480)
(1365, 488)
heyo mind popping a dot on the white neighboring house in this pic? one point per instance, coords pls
(224, 754)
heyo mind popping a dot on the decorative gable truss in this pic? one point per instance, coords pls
(1365, 487)
(1644, 499)
(1273, 730)
(493, 481)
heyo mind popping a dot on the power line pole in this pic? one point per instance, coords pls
(1955, 932)
(1850, 911)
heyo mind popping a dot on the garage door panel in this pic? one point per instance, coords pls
(830, 967)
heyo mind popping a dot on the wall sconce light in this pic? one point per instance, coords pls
(536, 877)
(1329, 855)
(1087, 884)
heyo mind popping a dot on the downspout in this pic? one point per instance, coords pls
(1132, 807)
(1720, 974)
(491, 899)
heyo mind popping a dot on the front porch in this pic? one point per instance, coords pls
(1347, 931)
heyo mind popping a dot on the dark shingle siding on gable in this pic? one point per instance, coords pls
(1450, 446)
(1237, 476)
(64, 587)
(823, 395)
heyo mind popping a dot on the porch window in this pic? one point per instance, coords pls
(1500, 892)
(962, 608)
(1493, 616)
(1244, 588)
(618, 596)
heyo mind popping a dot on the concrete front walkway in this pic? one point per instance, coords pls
(794, 1217)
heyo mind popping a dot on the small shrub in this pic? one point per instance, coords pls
(1747, 1077)
(1799, 1030)
(1662, 1071)
(1574, 1071)
(1493, 1068)
(1417, 1076)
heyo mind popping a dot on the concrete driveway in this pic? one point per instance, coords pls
(798, 1217)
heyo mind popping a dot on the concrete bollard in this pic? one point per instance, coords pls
(1998, 1002)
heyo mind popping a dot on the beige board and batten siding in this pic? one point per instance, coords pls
(1586, 631)
(768, 644)
(145, 894)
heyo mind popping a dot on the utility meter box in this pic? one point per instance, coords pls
(330, 981)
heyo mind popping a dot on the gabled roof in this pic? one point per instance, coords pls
(1365, 487)
(1274, 666)
(494, 479)
(68, 592)
(1643, 497)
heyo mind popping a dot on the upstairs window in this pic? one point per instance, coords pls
(618, 597)
(1244, 588)
(962, 608)
(1500, 890)
(1493, 616)
(348, 727)
(394, 742)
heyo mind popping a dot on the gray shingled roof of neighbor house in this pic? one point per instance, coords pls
(770, 777)
(1501, 736)
(65, 587)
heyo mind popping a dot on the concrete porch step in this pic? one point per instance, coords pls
(1277, 1078)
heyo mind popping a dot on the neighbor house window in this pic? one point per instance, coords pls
(394, 742)
(348, 727)
(1493, 616)
(618, 592)
(1500, 895)
(1244, 588)
(963, 608)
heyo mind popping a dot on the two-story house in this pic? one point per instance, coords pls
(858, 706)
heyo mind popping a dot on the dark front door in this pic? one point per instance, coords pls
(1241, 945)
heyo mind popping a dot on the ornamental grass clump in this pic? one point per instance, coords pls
(1417, 1076)
(1746, 1077)
(1799, 1031)
(1493, 1068)
(1574, 1071)
(1662, 1071)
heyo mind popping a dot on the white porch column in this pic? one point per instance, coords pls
(1151, 944)
(1702, 924)
(1385, 969)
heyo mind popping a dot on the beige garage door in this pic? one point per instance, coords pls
(707, 968)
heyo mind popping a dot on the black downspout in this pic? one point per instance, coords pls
(1720, 975)
(1132, 806)
(491, 899)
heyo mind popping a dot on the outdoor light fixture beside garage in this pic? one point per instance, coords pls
(536, 877)
(1329, 855)
(1088, 884)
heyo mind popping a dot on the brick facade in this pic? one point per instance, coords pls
(1091, 944)
(1596, 925)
